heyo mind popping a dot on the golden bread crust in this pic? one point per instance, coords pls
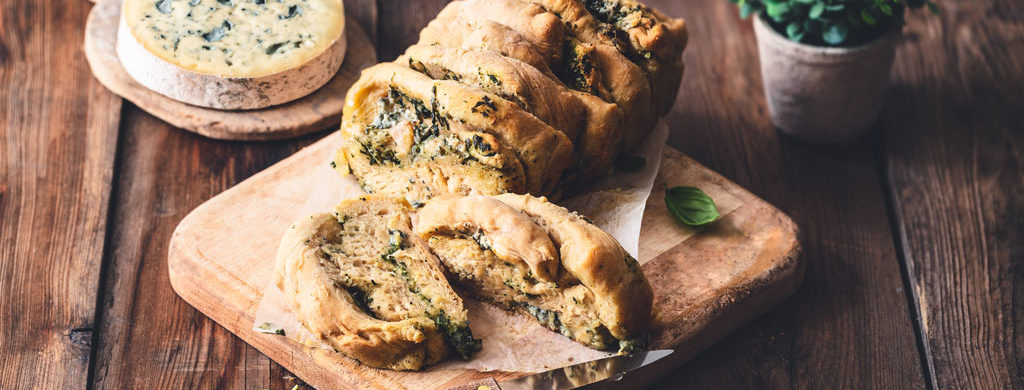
(320, 265)
(512, 235)
(597, 296)
(487, 124)
(624, 296)
(509, 78)
(648, 38)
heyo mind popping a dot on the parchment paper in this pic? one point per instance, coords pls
(510, 342)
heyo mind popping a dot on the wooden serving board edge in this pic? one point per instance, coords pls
(208, 288)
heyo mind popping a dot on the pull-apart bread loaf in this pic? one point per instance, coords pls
(528, 255)
(498, 98)
(552, 90)
(593, 124)
(361, 282)
(406, 134)
(628, 40)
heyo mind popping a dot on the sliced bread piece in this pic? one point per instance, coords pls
(498, 249)
(652, 40)
(359, 280)
(509, 78)
(405, 134)
(594, 125)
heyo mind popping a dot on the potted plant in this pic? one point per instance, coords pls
(826, 63)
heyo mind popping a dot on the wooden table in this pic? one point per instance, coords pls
(914, 237)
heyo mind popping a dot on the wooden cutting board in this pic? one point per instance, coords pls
(706, 282)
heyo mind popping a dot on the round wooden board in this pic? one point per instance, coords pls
(314, 112)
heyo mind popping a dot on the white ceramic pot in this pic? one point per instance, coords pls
(824, 94)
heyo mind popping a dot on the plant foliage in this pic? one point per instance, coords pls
(831, 22)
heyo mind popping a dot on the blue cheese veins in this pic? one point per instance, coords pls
(235, 38)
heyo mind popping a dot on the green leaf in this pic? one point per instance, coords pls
(835, 34)
(794, 31)
(866, 16)
(886, 9)
(691, 205)
(816, 10)
(932, 7)
(746, 9)
(776, 11)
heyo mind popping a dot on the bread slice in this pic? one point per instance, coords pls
(499, 248)
(654, 40)
(509, 78)
(232, 55)
(405, 134)
(594, 125)
(648, 38)
(449, 29)
(359, 280)
(542, 29)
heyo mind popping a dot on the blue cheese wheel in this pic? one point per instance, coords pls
(232, 54)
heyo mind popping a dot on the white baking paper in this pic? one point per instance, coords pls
(510, 342)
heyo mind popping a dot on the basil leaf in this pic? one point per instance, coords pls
(691, 205)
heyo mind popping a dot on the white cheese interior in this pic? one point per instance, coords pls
(235, 38)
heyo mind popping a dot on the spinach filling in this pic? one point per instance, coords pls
(458, 336)
(361, 299)
(634, 345)
(619, 15)
(600, 337)
(622, 17)
(378, 156)
(485, 107)
(488, 82)
(446, 74)
(427, 125)
(397, 107)
(578, 71)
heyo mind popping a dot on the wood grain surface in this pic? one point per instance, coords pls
(912, 237)
(954, 147)
(58, 136)
(852, 302)
(314, 112)
(175, 346)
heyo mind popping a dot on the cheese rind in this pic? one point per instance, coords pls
(232, 54)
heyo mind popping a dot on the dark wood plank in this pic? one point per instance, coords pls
(365, 13)
(849, 323)
(399, 24)
(58, 131)
(148, 337)
(955, 145)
